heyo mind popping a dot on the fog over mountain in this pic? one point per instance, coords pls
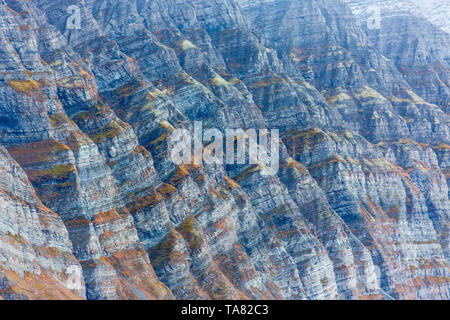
(94, 206)
(437, 11)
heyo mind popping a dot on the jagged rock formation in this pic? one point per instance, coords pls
(358, 210)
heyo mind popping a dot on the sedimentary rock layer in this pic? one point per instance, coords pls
(358, 210)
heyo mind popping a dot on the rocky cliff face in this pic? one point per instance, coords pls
(358, 210)
(36, 260)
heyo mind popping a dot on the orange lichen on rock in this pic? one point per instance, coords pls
(37, 152)
(24, 86)
(35, 287)
(166, 189)
(230, 183)
(145, 201)
(106, 217)
(214, 192)
(77, 222)
(109, 131)
(59, 172)
(137, 279)
(190, 232)
(179, 175)
(292, 164)
(166, 251)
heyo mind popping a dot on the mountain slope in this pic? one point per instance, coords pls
(359, 208)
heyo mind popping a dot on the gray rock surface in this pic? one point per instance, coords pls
(358, 210)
